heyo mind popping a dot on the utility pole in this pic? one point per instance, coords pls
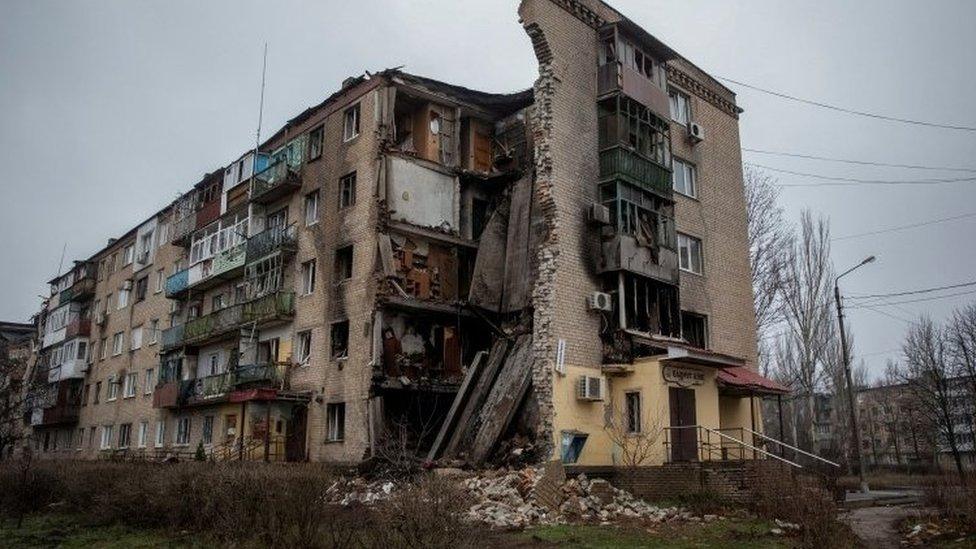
(855, 433)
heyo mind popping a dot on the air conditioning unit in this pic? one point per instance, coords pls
(598, 214)
(127, 285)
(695, 132)
(590, 388)
(600, 301)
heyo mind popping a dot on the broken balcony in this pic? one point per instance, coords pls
(83, 287)
(641, 237)
(634, 70)
(263, 310)
(635, 145)
(208, 213)
(276, 239)
(274, 182)
(218, 387)
(64, 405)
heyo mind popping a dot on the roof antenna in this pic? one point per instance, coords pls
(61, 261)
(264, 70)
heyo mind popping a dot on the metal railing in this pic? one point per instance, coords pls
(271, 178)
(714, 445)
(270, 240)
(782, 444)
(619, 162)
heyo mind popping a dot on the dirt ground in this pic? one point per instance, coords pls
(877, 527)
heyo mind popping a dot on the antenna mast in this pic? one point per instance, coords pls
(264, 70)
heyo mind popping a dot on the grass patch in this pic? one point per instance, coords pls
(730, 533)
(66, 531)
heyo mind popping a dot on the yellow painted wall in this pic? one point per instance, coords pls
(646, 377)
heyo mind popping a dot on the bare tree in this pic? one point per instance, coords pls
(806, 297)
(13, 400)
(770, 240)
(961, 333)
(928, 372)
(637, 437)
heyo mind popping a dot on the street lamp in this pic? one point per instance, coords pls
(847, 374)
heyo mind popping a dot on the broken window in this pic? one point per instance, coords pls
(340, 339)
(315, 142)
(308, 277)
(347, 190)
(142, 287)
(624, 121)
(336, 420)
(350, 123)
(304, 347)
(572, 446)
(640, 214)
(311, 208)
(650, 306)
(694, 329)
(343, 264)
(479, 216)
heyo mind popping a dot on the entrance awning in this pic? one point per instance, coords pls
(743, 380)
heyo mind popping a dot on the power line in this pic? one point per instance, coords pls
(889, 315)
(853, 181)
(892, 303)
(859, 162)
(904, 227)
(914, 292)
(850, 111)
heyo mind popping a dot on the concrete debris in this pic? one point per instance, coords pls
(787, 525)
(357, 490)
(508, 500)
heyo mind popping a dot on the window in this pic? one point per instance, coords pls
(113, 263)
(106, 437)
(135, 338)
(150, 381)
(163, 235)
(143, 433)
(183, 431)
(86, 394)
(127, 254)
(217, 302)
(108, 303)
(113, 388)
(311, 208)
(347, 190)
(125, 433)
(340, 339)
(98, 392)
(160, 280)
(343, 264)
(308, 277)
(315, 142)
(91, 436)
(350, 123)
(118, 341)
(684, 178)
(208, 422)
(160, 433)
(123, 299)
(153, 331)
(680, 107)
(689, 253)
(103, 345)
(129, 387)
(572, 445)
(336, 417)
(304, 346)
(633, 400)
(694, 328)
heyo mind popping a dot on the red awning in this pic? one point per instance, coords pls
(743, 378)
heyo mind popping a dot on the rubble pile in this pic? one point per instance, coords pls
(357, 490)
(508, 500)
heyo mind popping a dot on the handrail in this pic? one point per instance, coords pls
(794, 448)
(733, 439)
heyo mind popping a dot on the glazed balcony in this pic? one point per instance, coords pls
(78, 327)
(618, 78)
(274, 182)
(216, 388)
(618, 162)
(271, 240)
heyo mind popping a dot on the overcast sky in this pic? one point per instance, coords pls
(109, 109)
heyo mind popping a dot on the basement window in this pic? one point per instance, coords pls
(340, 339)
(572, 445)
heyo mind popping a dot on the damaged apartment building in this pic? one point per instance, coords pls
(416, 265)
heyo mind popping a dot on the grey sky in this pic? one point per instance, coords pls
(109, 109)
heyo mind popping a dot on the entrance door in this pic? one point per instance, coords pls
(295, 441)
(684, 442)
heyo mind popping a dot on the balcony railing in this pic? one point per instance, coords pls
(270, 240)
(274, 182)
(614, 77)
(183, 228)
(80, 290)
(618, 162)
(172, 337)
(209, 388)
(177, 283)
(275, 306)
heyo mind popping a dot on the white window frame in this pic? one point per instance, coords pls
(350, 123)
(311, 205)
(182, 431)
(687, 241)
(160, 433)
(113, 389)
(679, 103)
(308, 277)
(128, 254)
(150, 381)
(160, 280)
(123, 300)
(130, 385)
(629, 417)
(154, 331)
(304, 347)
(335, 421)
(689, 175)
(135, 338)
(107, 433)
(118, 343)
(126, 430)
(143, 433)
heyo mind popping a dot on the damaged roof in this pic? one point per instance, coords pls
(499, 103)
